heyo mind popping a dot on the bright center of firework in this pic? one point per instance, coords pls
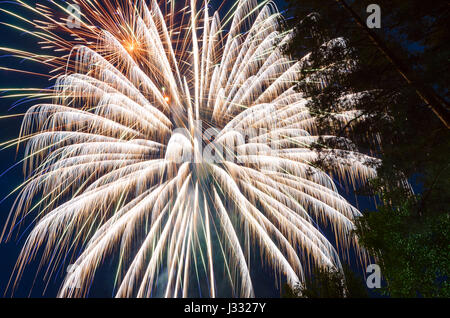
(130, 47)
(167, 98)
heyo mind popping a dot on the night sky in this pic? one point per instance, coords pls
(12, 176)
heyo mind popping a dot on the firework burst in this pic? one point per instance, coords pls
(178, 149)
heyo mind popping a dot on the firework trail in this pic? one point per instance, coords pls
(119, 167)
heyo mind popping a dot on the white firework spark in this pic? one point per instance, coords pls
(106, 158)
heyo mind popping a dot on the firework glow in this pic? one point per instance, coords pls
(174, 141)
